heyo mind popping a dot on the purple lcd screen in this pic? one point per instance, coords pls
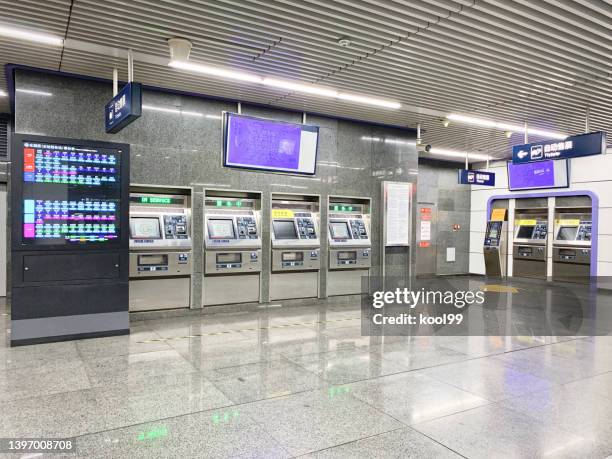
(264, 144)
(535, 175)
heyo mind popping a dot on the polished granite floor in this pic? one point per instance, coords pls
(303, 382)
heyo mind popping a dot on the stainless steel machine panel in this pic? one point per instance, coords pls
(301, 284)
(350, 258)
(495, 249)
(232, 261)
(159, 293)
(157, 264)
(232, 230)
(296, 260)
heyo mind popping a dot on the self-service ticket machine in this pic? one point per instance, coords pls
(350, 246)
(160, 250)
(495, 245)
(572, 245)
(296, 247)
(530, 239)
(232, 243)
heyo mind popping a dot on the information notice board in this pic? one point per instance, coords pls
(397, 198)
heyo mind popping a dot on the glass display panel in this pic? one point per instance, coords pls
(292, 256)
(525, 232)
(145, 228)
(284, 229)
(71, 194)
(221, 228)
(152, 260)
(258, 143)
(229, 258)
(347, 255)
(339, 230)
(567, 233)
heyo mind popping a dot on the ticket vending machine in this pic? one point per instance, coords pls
(495, 248)
(296, 247)
(350, 245)
(530, 240)
(232, 247)
(160, 250)
(572, 245)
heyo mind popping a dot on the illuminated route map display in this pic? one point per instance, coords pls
(71, 195)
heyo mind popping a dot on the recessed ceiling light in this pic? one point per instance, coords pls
(504, 126)
(21, 34)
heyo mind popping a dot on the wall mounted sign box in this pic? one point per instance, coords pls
(69, 239)
(124, 108)
(468, 177)
(269, 145)
(538, 175)
(397, 202)
(593, 143)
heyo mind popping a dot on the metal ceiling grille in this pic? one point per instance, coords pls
(542, 61)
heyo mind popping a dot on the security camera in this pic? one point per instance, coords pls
(423, 147)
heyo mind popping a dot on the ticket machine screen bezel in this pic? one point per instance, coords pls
(564, 229)
(332, 228)
(525, 232)
(281, 227)
(134, 225)
(227, 221)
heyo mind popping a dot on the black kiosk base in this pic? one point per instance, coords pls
(69, 239)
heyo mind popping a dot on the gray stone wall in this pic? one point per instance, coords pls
(173, 149)
(437, 184)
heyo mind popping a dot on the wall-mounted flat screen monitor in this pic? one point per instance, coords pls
(71, 194)
(221, 228)
(269, 145)
(567, 233)
(284, 229)
(339, 230)
(538, 175)
(525, 232)
(145, 228)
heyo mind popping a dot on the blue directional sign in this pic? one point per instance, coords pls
(593, 143)
(124, 108)
(469, 177)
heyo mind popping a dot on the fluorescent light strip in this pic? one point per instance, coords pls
(214, 71)
(3, 94)
(458, 154)
(214, 117)
(171, 110)
(20, 34)
(504, 126)
(33, 91)
(283, 84)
